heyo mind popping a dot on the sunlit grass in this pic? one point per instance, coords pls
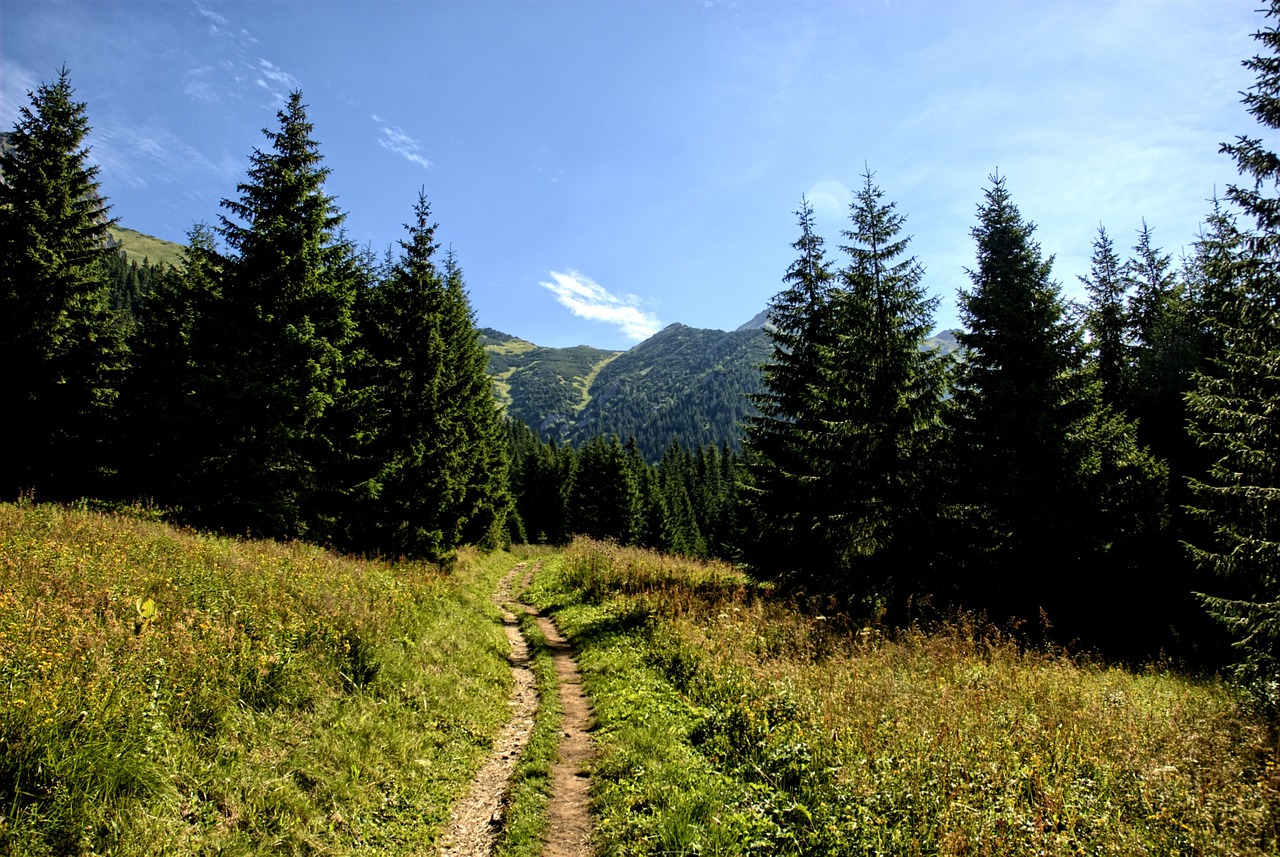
(731, 722)
(140, 246)
(170, 691)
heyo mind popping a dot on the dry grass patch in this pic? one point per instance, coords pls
(845, 740)
(171, 691)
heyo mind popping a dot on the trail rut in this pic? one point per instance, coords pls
(477, 819)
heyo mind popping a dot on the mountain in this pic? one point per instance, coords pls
(139, 246)
(683, 382)
(545, 388)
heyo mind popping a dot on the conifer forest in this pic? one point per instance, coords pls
(1104, 475)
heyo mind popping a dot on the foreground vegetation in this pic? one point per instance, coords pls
(170, 692)
(731, 723)
(175, 692)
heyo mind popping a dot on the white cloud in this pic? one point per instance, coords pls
(215, 20)
(15, 83)
(401, 143)
(202, 84)
(276, 80)
(150, 156)
(588, 299)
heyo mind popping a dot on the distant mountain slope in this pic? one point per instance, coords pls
(138, 246)
(683, 382)
(545, 388)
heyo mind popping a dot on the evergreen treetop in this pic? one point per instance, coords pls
(273, 340)
(1236, 400)
(61, 342)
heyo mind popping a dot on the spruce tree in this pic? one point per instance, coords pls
(1153, 287)
(486, 497)
(61, 342)
(272, 342)
(1020, 390)
(1058, 496)
(883, 413)
(437, 449)
(783, 490)
(1237, 397)
(1107, 320)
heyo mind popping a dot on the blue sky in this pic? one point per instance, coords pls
(603, 168)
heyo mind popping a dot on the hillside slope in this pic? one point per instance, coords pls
(685, 383)
(139, 246)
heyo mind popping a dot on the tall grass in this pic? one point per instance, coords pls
(166, 691)
(784, 731)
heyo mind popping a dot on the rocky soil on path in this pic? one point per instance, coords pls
(478, 817)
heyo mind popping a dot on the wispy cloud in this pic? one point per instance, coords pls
(148, 156)
(15, 83)
(586, 298)
(396, 140)
(234, 74)
(216, 22)
(276, 80)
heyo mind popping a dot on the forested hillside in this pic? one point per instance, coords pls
(685, 384)
(544, 388)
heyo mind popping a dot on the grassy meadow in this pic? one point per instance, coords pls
(141, 246)
(171, 692)
(730, 722)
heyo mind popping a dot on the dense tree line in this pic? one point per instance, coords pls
(1078, 470)
(278, 383)
(1023, 478)
(686, 504)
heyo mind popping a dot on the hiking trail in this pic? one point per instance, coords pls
(478, 818)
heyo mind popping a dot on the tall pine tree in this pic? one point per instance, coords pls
(1235, 405)
(1107, 320)
(783, 488)
(884, 394)
(1058, 496)
(437, 449)
(61, 342)
(486, 464)
(272, 340)
(1020, 391)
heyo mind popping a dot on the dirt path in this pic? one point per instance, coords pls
(477, 818)
(568, 819)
